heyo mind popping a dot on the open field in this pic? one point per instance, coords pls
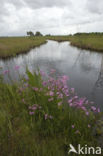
(10, 46)
(39, 117)
(92, 41)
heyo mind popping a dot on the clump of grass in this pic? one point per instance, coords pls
(10, 46)
(41, 116)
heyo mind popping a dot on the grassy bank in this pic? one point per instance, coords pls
(92, 41)
(10, 46)
(59, 38)
(41, 116)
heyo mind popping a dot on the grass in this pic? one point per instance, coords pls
(41, 116)
(90, 41)
(11, 46)
(59, 38)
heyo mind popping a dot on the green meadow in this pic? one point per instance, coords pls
(10, 46)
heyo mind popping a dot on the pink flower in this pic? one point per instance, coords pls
(51, 93)
(23, 100)
(72, 89)
(41, 89)
(65, 77)
(81, 102)
(60, 96)
(65, 87)
(58, 93)
(44, 83)
(34, 108)
(75, 97)
(89, 126)
(73, 126)
(98, 110)
(83, 108)
(17, 67)
(69, 101)
(46, 116)
(93, 108)
(87, 113)
(60, 103)
(6, 71)
(35, 89)
(31, 113)
(42, 73)
(86, 102)
(77, 132)
(50, 117)
(70, 104)
(51, 99)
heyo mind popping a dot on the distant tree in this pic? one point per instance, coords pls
(30, 33)
(38, 34)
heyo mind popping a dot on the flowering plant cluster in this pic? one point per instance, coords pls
(44, 108)
(55, 101)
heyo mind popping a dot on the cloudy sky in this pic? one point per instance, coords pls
(50, 16)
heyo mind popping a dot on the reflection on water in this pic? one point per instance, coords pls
(84, 68)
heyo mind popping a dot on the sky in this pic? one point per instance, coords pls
(50, 16)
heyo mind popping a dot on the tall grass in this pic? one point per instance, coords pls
(59, 38)
(10, 46)
(41, 116)
(90, 41)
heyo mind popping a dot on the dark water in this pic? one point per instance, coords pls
(84, 68)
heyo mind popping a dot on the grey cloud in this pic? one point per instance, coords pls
(16, 3)
(37, 3)
(50, 16)
(47, 3)
(95, 6)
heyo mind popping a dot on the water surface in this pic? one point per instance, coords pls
(84, 68)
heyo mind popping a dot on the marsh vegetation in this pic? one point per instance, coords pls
(10, 46)
(90, 41)
(39, 116)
